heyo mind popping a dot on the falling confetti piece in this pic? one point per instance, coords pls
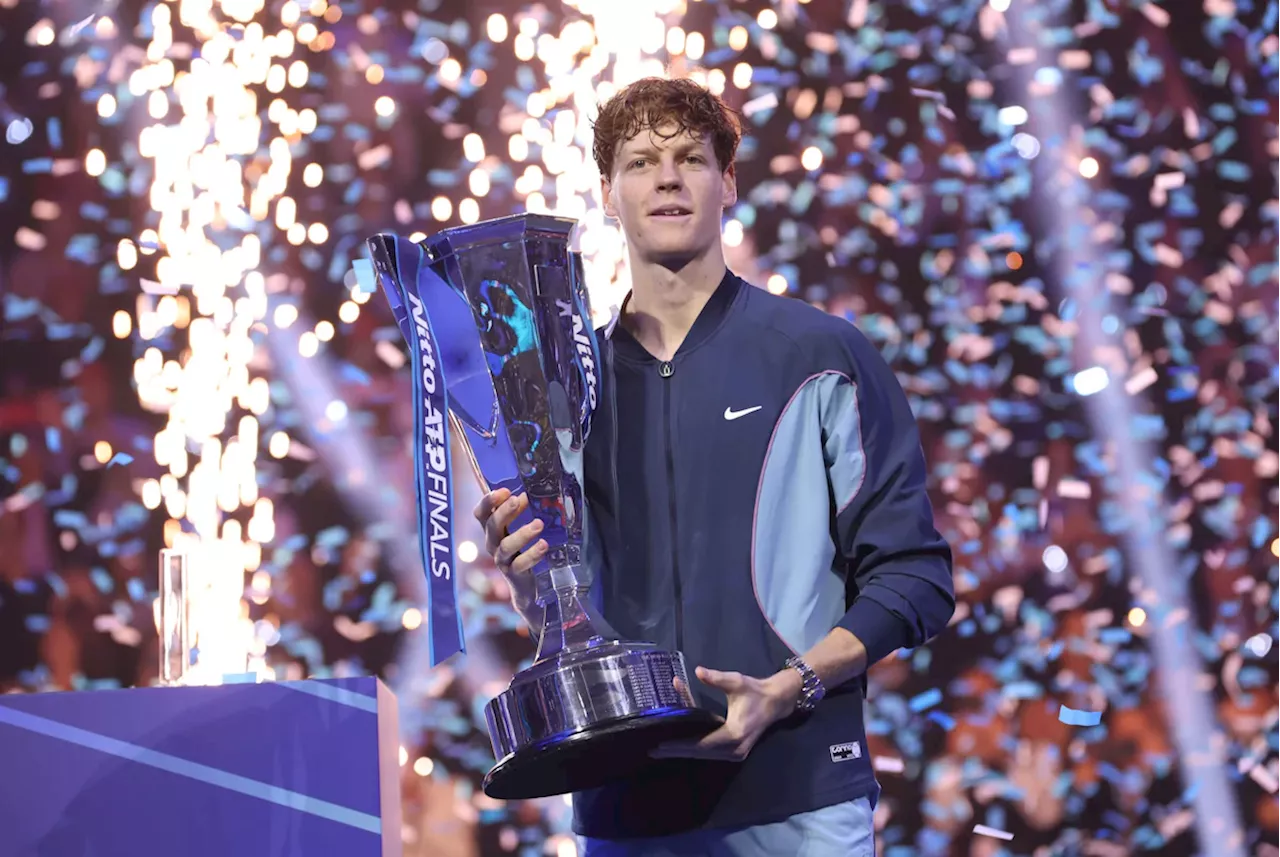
(768, 101)
(1073, 717)
(151, 287)
(365, 280)
(72, 33)
(983, 830)
(888, 764)
(926, 700)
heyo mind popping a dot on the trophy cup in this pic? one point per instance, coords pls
(505, 359)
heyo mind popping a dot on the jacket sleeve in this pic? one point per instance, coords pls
(900, 588)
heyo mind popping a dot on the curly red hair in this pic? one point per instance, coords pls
(654, 102)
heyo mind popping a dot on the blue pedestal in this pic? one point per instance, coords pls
(296, 769)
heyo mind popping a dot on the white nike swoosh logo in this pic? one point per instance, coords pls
(731, 414)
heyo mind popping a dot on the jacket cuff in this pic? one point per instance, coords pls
(882, 633)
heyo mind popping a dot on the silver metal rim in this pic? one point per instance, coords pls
(578, 691)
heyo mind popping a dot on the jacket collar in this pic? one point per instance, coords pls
(709, 319)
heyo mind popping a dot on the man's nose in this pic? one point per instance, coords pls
(669, 177)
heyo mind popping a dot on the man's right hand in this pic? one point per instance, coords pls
(511, 552)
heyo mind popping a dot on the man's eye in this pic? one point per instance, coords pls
(637, 163)
(695, 159)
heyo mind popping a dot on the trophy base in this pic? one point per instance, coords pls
(588, 717)
(593, 757)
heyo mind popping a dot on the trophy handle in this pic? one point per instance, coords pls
(570, 359)
(592, 374)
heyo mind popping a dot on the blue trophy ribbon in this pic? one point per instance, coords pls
(405, 279)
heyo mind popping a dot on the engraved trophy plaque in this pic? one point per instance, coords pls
(505, 359)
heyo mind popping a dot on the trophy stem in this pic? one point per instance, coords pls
(568, 619)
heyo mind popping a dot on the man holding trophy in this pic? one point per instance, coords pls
(728, 476)
(762, 509)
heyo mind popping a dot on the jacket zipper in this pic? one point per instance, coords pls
(665, 370)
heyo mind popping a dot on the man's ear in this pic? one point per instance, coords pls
(606, 198)
(729, 195)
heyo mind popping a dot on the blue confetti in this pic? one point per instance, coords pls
(365, 280)
(928, 699)
(1073, 717)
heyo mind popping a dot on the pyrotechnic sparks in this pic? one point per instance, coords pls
(214, 187)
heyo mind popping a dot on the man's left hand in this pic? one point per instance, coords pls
(755, 704)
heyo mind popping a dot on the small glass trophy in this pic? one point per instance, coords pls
(177, 651)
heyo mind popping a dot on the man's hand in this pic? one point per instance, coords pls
(511, 552)
(755, 704)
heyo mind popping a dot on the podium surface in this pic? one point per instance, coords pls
(307, 768)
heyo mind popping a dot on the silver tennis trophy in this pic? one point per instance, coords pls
(505, 360)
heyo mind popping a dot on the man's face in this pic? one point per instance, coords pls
(668, 193)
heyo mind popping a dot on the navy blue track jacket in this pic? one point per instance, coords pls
(763, 487)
